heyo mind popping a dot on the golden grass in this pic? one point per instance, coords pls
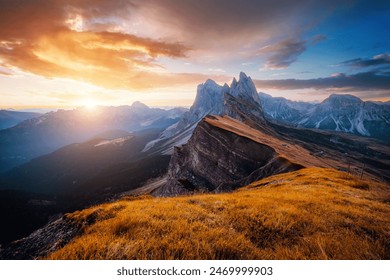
(313, 213)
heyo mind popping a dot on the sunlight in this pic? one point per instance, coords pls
(89, 104)
(75, 22)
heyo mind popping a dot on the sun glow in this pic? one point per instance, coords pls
(75, 22)
(89, 104)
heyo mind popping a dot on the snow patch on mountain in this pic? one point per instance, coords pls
(345, 113)
(117, 141)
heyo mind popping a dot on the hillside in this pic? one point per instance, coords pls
(312, 213)
(74, 177)
(224, 154)
(69, 167)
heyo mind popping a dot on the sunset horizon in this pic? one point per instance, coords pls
(62, 54)
(191, 130)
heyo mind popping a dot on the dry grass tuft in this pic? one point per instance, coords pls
(313, 213)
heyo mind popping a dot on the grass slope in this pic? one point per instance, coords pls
(313, 213)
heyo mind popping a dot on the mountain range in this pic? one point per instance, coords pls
(221, 152)
(246, 116)
(10, 118)
(70, 168)
(46, 133)
(232, 136)
(345, 113)
(211, 98)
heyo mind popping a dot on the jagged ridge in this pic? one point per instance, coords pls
(238, 101)
(217, 159)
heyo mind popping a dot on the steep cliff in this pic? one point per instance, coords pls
(225, 153)
(218, 159)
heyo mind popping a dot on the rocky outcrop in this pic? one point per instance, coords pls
(41, 242)
(244, 110)
(216, 160)
(244, 89)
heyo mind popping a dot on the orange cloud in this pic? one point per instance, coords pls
(47, 38)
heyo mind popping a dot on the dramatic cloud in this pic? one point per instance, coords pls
(229, 24)
(58, 39)
(146, 45)
(118, 44)
(357, 82)
(286, 52)
(283, 53)
(378, 60)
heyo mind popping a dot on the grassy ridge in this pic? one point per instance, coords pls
(308, 214)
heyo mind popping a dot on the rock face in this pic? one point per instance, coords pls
(43, 241)
(244, 89)
(244, 110)
(238, 101)
(238, 145)
(216, 160)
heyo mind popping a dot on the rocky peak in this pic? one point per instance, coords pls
(342, 99)
(209, 98)
(239, 101)
(244, 88)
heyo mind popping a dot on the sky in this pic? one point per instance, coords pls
(69, 53)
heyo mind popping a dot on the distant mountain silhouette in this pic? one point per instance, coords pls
(11, 118)
(48, 132)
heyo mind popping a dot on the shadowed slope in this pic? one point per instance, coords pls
(312, 213)
(221, 155)
(224, 154)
